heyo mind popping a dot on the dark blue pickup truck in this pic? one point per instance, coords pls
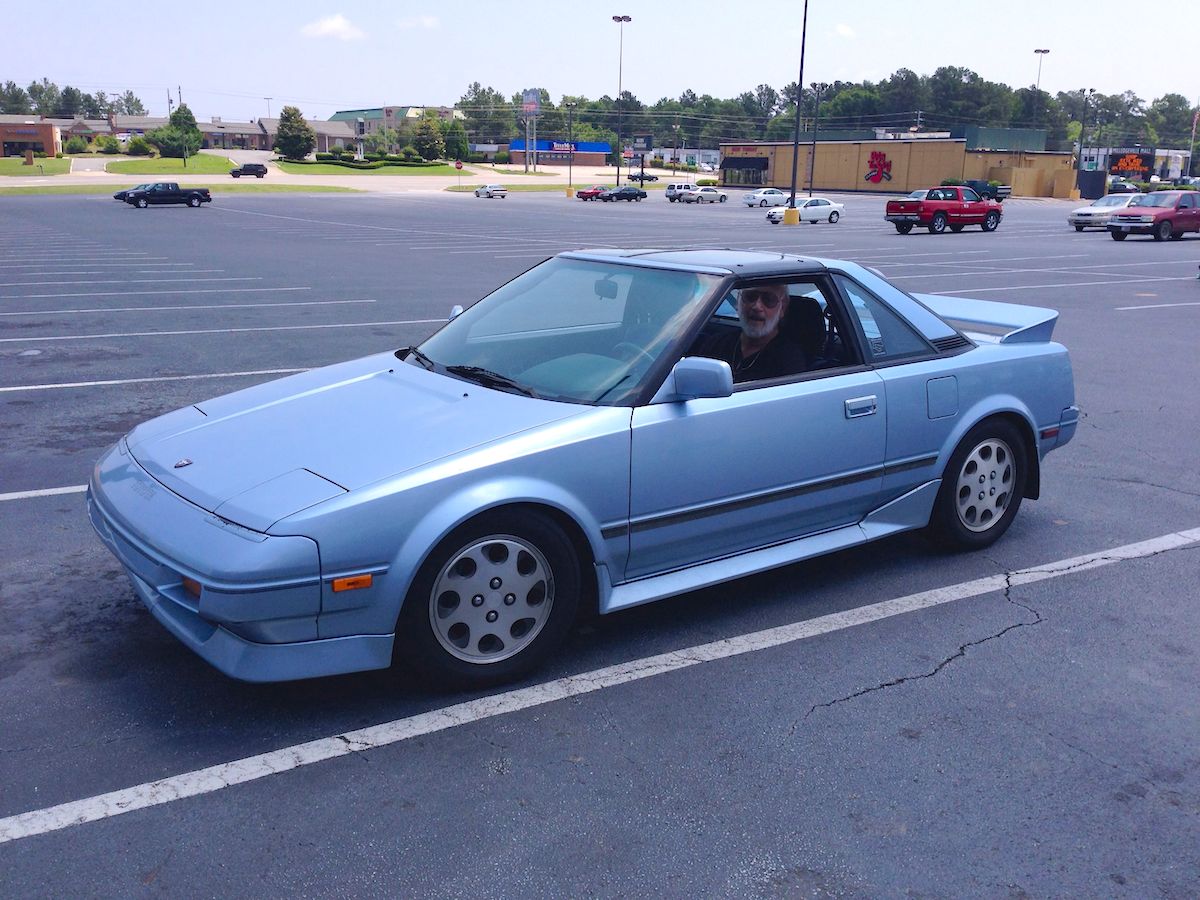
(167, 192)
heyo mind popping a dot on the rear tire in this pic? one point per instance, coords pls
(938, 225)
(491, 601)
(903, 227)
(1079, 228)
(982, 487)
(1118, 235)
(142, 203)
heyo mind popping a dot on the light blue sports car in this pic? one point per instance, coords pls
(610, 428)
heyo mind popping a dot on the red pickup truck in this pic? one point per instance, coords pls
(940, 208)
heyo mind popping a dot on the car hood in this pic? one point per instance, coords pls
(259, 455)
(1096, 210)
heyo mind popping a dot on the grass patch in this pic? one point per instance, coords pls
(512, 188)
(15, 165)
(523, 172)
(320, 169)
(201, 164)
(217, 189)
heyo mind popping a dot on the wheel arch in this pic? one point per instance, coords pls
(1020, 420)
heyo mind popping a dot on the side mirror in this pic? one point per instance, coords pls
(455, 312)
(695, 378)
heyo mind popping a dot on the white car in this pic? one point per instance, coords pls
(704, 195)
(766, 197)
(1097, 213)
(492, 190)
(812, 209)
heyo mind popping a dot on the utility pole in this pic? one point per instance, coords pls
(620, 20)
(1192, 143)
(792, 215)
(818, 90)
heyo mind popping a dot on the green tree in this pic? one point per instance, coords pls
(457, 146)
(70, 102)
(138, 146)
(76, 144)
(1171, 116)
(129, 105)
(489, 116)
(382, 140)
(182, 118)
(14, 100)
(295, 138)
(428, 138)
(45, 96)
(173, 142)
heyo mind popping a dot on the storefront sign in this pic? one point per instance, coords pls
(879, 168)
(562, 147)
(1132, 163)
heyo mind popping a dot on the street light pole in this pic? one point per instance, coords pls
(1040, 55)
(620, 20)
(792, 216)
(1087, 95)
(268, 99)
(818, 90)
(570, 147)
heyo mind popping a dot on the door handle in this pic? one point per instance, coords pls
(862, 406)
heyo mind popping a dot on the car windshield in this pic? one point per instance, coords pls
(918, 195)
(1111, 201)
(582, 331)
(1163, 199)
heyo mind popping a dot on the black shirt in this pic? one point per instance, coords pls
(780, 358)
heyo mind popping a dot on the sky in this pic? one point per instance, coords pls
(346, 54)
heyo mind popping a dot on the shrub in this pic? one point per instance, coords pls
(476, 157)
(106, 143)
(76, 144)
(58, 156)
(39, 154)
(502, 157)
(953, 182)
(322, 157)
(410, 153)
(374, 157)
(138, 146)
(706, 182)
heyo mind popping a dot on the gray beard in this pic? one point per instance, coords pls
(755, 331)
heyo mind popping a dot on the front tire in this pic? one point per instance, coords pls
(762, 202)
(1118, 235)
(722, 199)
(193, 202)
(1079, 228)
(833, 217)
(982, 487)
(938, 225)
(491, 601)
(991, 221)
(1163, 230)
(142, 203)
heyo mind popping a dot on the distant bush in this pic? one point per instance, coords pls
(502, 157)
(138, 146)
(58, 156)
(953, 182)
(76, 144)
(106, 143)
(39, 154)
(322, 157)
(706, 182)
(410, 153)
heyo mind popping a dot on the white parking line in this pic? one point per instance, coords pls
(113, 381)
(124, 334)
(189, 280)
(1030, 287)
(144, 261)
(117, 309)
(44, 492)
(252, 768)
(232, 290)
(1156, 306)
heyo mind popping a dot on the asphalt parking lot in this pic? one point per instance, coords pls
(1021, 722)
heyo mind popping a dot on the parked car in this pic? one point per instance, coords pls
(704, 195)
(1096, 214)
(812, 209)
(766, 197)
(944, 207)
(165, 192)
(258, 170)
(643, 177)
(1120, 186)
(997, 192)
(491, 190)
(573, 453)
(591, 193)
(624, 192)
(706, 167)
(121, 195)
(676, 190)
(1163, 214)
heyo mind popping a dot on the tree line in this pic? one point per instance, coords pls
(951, 97)
(44, 98)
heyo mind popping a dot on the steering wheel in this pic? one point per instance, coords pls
(632, 351)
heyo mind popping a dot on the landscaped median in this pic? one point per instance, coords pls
(515, 188)
(225, 187)
(200, 164)
(15, 166)
(333, 168)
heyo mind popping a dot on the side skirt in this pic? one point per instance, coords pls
(905, 513)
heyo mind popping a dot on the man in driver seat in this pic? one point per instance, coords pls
(759, 351)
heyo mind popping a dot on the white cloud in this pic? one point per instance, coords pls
(844, 30)
(333, 26)
(419, 22)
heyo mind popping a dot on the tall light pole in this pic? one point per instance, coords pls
(1087, 96)
(571, 147)
(1041, 54)
(620, 20)
(818, 89)
(792, 216)
(268, 99)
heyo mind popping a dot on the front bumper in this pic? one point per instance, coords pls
(1132, 227)
(256, 616)
(1088, 221)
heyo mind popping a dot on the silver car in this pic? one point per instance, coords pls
(492, 190)
(1097, 213)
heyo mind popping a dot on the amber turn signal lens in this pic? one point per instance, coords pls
(351, 583)
(192, 586)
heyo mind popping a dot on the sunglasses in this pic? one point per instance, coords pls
(768, 299)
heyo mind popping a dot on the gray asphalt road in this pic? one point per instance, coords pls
(1037, 741)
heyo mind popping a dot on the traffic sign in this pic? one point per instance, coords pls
(458, 164)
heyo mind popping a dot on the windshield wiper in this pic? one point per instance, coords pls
(413, 352)
(488, 378)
